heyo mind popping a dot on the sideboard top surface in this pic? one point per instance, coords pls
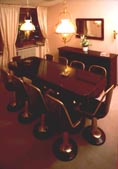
(90, 52)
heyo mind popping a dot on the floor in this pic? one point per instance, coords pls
(19, 149)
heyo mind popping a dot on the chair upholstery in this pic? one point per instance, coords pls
(16, 58)
(35, 107)
(7, 80)
(6, 77)
(77, 64)
(63, 60)
(33, 100)
(69, 116)
(20, 94)
(14, 65)
(70, 111)
(94, 110)
(28, 65)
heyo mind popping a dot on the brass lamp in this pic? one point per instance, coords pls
(28, 25)
(65, 27)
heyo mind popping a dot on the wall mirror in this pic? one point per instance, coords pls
(93, 28)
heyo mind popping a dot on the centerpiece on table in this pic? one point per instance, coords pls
(85, 43)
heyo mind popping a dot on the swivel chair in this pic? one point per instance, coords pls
(35, 107)
(77, 64)
(20, 98)
(95, 110)
(66, 148)
(6, 76)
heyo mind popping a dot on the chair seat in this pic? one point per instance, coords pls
(91, 107)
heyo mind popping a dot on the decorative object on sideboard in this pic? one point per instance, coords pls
(85, 49)
(106, 54)
(85, 43)
(65, 26)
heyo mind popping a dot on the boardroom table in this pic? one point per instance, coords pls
(81, 83)
(78, 82)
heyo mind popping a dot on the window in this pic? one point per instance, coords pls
(35, 36)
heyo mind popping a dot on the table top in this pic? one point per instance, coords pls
(80, 82)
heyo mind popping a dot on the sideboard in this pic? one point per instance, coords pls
(93, 57)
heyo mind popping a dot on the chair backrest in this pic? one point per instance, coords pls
(19, 88)
(77, 64)
(6, 77)
(16, 58)
(63, 60)
(36, 99)
(105, 101)
(98, 69)
(65, 110)
(49, 57)
(108, 94)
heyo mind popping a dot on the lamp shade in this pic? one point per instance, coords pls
(66, 29)
(65, 26)
(27, 26)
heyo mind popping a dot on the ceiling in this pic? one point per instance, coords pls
(31, 2)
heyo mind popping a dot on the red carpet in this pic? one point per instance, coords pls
(19, 149)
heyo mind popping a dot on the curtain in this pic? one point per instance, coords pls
(9, 20)
(42, 19)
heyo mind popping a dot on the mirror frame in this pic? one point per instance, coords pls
(91, 19)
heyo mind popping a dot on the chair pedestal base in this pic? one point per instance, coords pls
(25, 117)
(12, 107)
(95, 140)
(41, 130)
(66, 153)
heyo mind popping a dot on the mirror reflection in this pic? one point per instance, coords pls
(92, 28)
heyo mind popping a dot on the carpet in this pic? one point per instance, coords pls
(19, 149)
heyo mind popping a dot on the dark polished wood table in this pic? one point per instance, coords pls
(79, 82)
(53, 75)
